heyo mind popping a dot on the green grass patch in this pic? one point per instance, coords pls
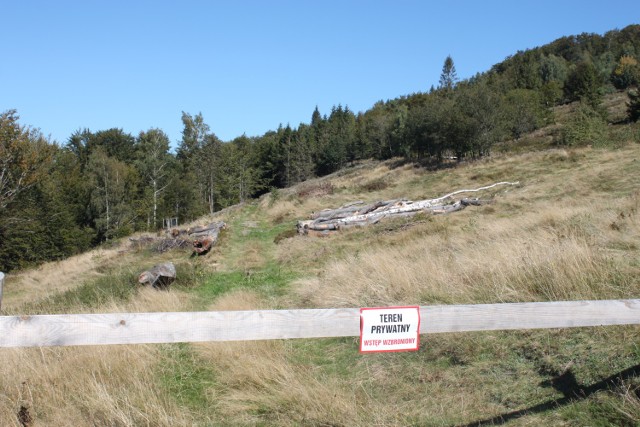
(270, 281)
(186, 378)
(115, 287)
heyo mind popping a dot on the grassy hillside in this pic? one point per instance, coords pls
(569, 231)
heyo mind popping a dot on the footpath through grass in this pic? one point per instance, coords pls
(246, 252)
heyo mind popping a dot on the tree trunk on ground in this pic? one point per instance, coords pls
(159, 277)
(360, 214)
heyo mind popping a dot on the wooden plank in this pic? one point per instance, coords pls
(142, 328)
(535, 315)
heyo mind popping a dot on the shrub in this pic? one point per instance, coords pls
(585, 127)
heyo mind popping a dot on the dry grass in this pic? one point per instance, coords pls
(531, 244)
(495, 269)
(97, 385)
(55, 277)
(106, 385)
(259, 382)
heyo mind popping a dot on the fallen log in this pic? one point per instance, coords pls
(211, 229)
(205, 237)
(159, 277)
(359, 214)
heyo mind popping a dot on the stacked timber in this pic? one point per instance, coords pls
(199, 239)
(362, 214)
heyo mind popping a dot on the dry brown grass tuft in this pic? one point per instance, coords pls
(259, 382)
(55, 277)
(105, 385)
(259, 378)
(94, 385)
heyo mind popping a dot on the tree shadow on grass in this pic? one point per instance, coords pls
(573, 392)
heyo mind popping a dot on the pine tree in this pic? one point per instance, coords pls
(448, 77)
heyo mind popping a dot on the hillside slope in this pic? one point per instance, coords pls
(569, 231)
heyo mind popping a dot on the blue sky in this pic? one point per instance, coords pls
(248, 66)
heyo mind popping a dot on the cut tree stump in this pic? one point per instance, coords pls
(159, 277)
(360, 214)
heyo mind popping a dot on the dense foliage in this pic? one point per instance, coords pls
(59, 200)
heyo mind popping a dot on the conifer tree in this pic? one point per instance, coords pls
(448, 77)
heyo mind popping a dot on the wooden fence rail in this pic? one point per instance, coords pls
(140, 328)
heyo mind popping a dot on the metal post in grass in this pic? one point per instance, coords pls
(1, 285)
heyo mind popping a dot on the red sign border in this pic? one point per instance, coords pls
(390, 308)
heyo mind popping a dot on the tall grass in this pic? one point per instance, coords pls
(97, 385)
(481, 270)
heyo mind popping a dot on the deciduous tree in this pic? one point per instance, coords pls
(25, 156)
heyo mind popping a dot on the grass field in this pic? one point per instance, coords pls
(569, 231)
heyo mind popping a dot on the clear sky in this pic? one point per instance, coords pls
(248, 66)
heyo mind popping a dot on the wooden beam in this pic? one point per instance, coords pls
(144, 328)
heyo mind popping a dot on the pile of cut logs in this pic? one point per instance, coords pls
(200, 239)
(361, 214)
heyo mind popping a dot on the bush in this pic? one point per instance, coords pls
(633, 107)
(586, 127)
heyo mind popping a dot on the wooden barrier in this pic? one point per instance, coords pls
(141, 328)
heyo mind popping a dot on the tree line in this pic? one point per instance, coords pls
(61, 199)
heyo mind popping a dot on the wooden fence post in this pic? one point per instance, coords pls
(1, 285)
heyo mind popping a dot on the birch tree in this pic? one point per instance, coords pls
(154, 166)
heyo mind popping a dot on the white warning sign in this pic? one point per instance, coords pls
(389, 329)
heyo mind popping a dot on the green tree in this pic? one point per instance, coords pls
(154, 164)
(208, 170)
(194, 132)
(553, 69)
(626, 73)
(584, 84)
(336, 135)
(524, 70)
(448, 77)
(116, 143)
(25, 157)
(400, 145)
(113, 185)
(423, 127)
(198, 155)
(376, 131)
(240, 178)
(482, 119)
(524, 112)
(303, 151)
